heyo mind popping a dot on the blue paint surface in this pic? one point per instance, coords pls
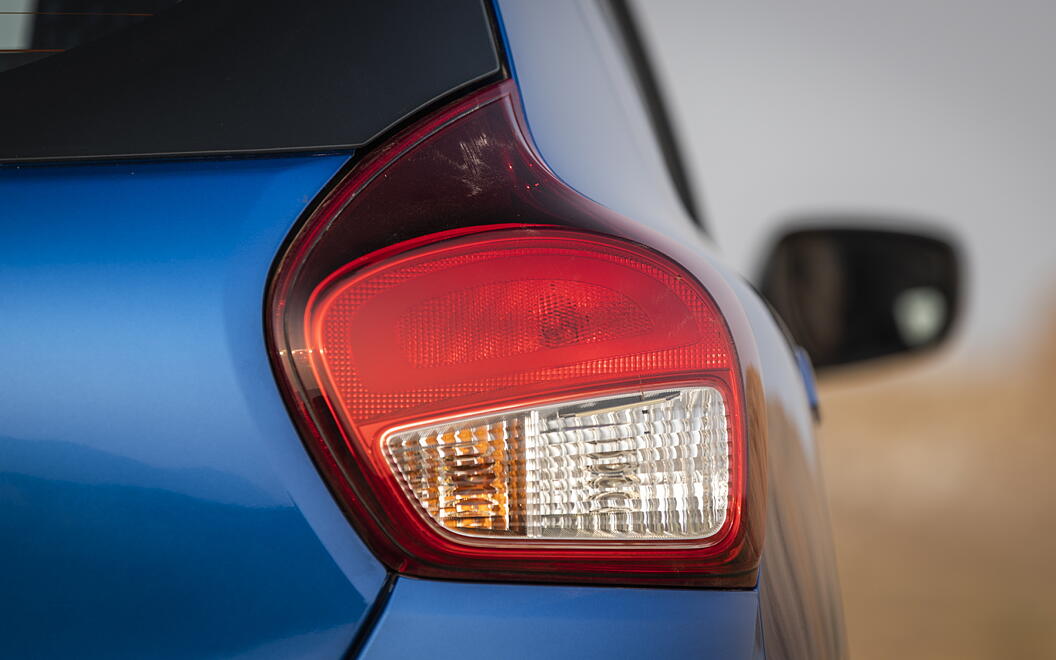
(155, 499)
(427, 619)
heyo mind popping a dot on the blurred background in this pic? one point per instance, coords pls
(937, 467)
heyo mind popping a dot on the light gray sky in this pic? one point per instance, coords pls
(944, 109)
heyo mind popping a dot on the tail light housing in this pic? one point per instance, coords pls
(497, 388)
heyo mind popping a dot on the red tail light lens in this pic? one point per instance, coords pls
(516, 401)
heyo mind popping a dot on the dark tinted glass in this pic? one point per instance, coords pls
(31, 30)
(126, 78)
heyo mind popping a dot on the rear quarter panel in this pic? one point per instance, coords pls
(590, 126)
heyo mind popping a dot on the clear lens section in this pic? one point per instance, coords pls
(651, 465)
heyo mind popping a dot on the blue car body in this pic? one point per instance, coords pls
(155, 498)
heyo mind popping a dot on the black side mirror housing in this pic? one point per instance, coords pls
(848, 295)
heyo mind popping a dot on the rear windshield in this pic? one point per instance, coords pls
(148, 78)
(31, 30)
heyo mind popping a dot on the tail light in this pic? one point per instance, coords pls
(497, 389)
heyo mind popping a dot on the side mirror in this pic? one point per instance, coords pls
(849, 295)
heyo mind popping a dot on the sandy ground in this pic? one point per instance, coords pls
(944, 508)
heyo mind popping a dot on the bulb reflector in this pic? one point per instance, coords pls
(652, 465)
